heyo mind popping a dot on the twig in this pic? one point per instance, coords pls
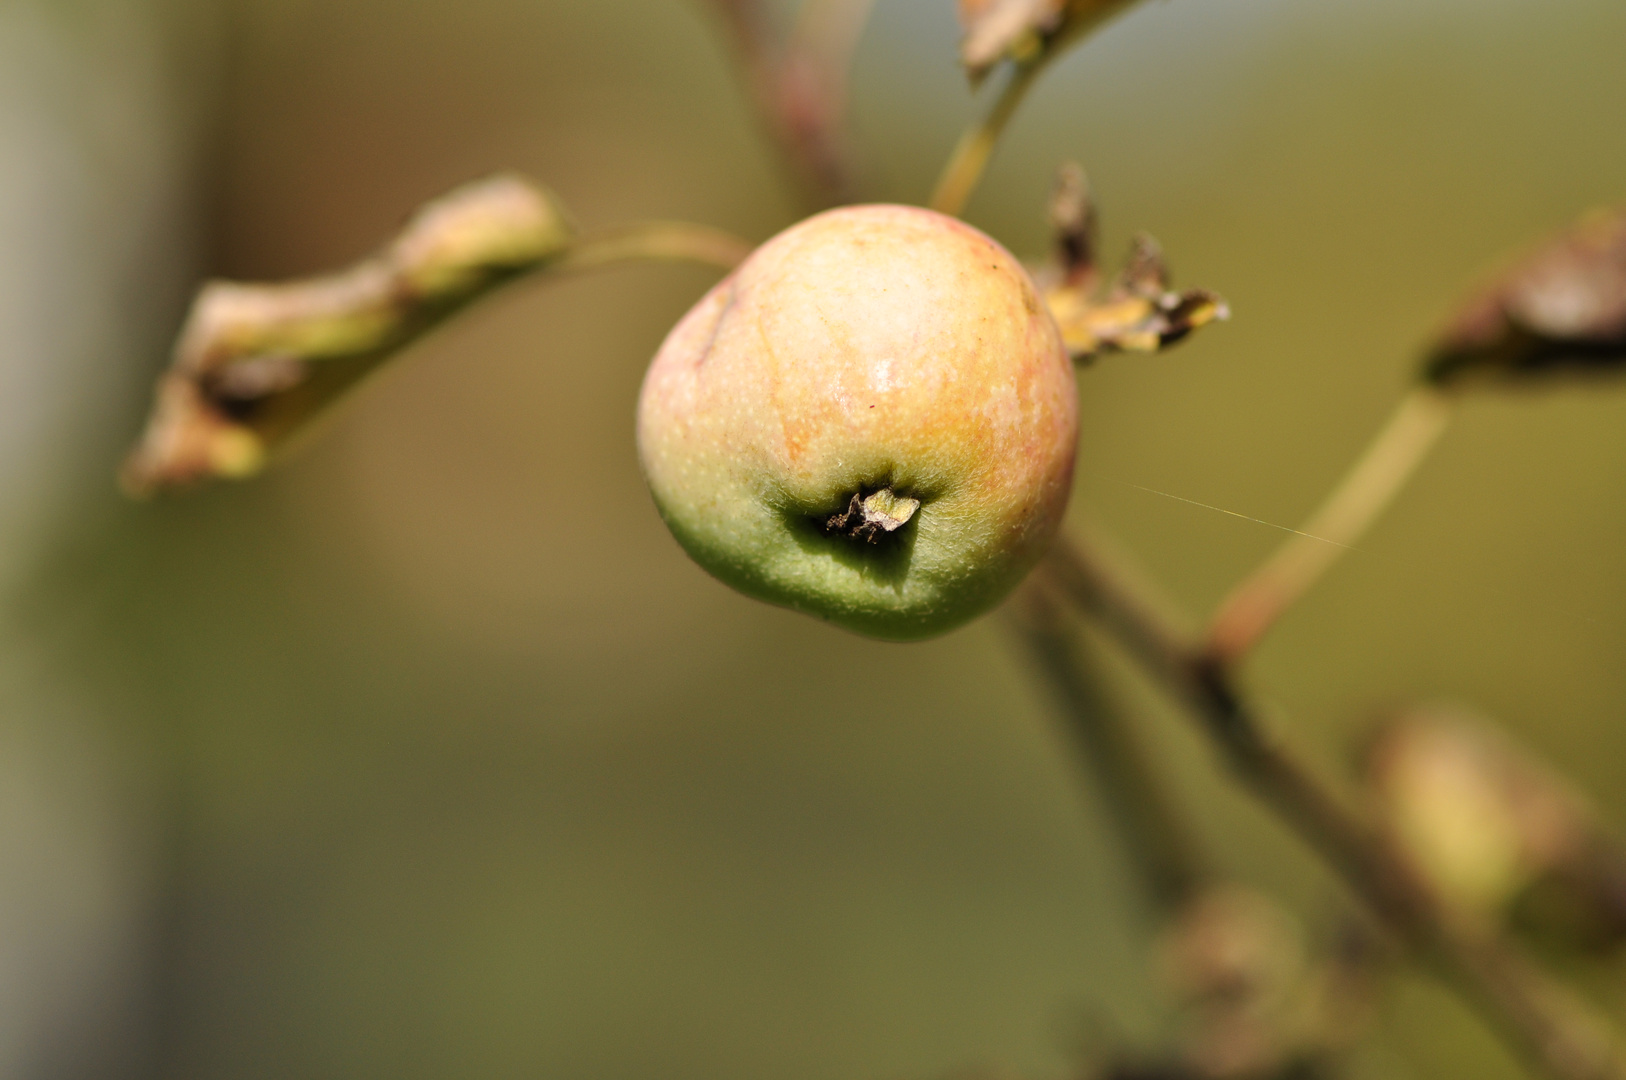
(1393, 455)
(970, 155)
(800, 88)
(655, 241)
(1155, 837)
(1077, 19)
(1552, 1029)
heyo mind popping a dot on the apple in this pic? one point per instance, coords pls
(872, 420)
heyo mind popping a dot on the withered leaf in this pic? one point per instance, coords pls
(255, 363)
(996, 29)
(1023, 30)
(1560, 310)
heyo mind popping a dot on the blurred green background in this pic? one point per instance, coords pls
(383, 766)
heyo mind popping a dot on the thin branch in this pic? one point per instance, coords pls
(655, 241)
(976, 146)
(1552, 1029)
(1391, 458)
(800, 88)
(1155, 837)
(1030, 50)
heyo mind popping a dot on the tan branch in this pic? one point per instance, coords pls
(1394, 454)
(971, 154)
(1030, 36)
(1155, 835)
(1552, 1029)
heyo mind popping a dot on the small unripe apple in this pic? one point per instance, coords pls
(871, 420)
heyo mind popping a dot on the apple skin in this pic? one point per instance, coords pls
(868, 349)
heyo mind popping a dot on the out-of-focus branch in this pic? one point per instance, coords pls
(653, 241)
(255, 363)
(1391, 458)
(1155, 836)
(1552, 1029)
(800, 86)
(1254, 1004)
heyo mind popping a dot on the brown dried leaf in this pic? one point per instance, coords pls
(255, 363)
(1130, 316)
(1560, 310)
(996, 29)
(1024, 30)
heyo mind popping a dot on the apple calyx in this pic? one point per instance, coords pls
(871, 517)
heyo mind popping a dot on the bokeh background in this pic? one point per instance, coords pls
(430, 755)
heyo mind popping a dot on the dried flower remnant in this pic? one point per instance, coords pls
(255, 363)
(1137, 312)
(1024, 31)
(871, 517)
(1560, 310)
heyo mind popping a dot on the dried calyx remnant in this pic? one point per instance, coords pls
(873, 516)
(1024, 31)
(1136, 311)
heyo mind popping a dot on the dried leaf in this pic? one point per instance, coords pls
(255, 363)
(1024, 31)
(1560, 310)
(996, 29)
(1256, 1001)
